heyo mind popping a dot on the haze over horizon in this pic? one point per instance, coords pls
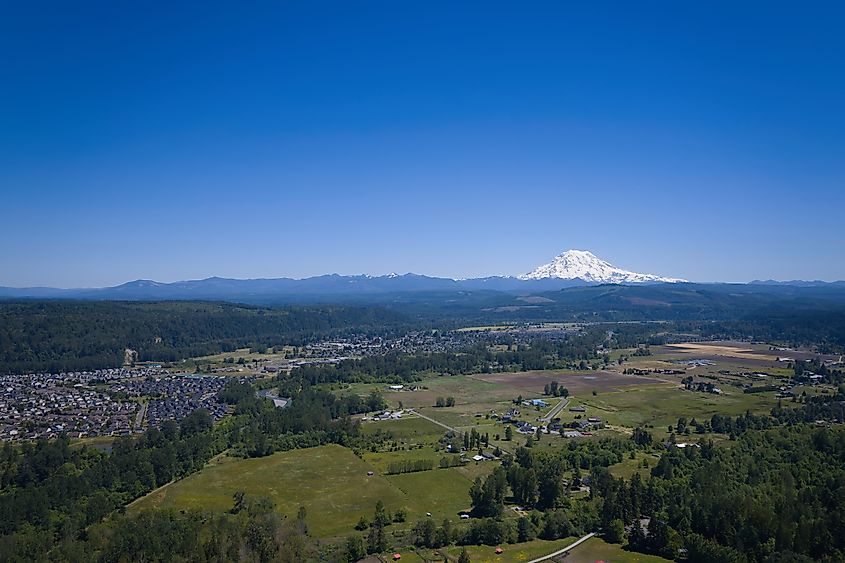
(175, 142)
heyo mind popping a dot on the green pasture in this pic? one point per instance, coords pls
(329, 481)
(596, 549)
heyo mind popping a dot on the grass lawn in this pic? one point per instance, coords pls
(410, 429)
(443, 492)
(103, 443)
(627, 467)
(329, 481)
(382, 460)
(596, 549)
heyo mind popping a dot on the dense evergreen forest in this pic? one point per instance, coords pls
(58, 336)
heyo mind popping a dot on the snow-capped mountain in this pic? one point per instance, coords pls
(586, 266)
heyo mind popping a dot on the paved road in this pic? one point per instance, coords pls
(569, 547)
(428, 418)
(553, 413)
(139, 418)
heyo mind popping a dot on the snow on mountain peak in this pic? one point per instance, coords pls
(586, 266)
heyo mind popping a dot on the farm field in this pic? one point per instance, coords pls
(465, 390)
(661, 405)
(531, 383)
(443, 492)
(410, 429)
(329, 481)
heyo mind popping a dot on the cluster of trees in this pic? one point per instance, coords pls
(814, 407)
(454, 461)
(57, 336)
(376, 540)
(554, 389)
(409, 466)
(804, 368)
(447, 402)
(314, 417)
(535, 479)
(822, 328)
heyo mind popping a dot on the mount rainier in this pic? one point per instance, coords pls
(586, 266)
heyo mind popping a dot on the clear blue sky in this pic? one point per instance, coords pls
(704, 140)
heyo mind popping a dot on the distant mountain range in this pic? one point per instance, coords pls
(573, 268)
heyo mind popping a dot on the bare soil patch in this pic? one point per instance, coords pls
(532, 382)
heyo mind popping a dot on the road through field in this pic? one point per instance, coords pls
(564, 550)
(553, 413)
(428, 418)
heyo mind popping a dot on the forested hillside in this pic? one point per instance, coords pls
(73, 335)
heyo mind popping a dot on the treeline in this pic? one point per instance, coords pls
(251, 531)
(398, 367)
(409, 466)
(820, 329)
(56, 336)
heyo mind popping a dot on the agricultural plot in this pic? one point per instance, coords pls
(464, 389)
(661, 405)
(531, 383)
(329, 481)
(410, 429)
(381, 460)
(442, 492)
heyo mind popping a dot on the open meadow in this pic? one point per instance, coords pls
(331, 483)
(596, 549)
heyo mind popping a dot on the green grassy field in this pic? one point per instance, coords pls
(329, 481)
(661, 405)
(409, 429)
(520, 552)
(627, 467)
(596, 549)
(382, 460)
(443, 492)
